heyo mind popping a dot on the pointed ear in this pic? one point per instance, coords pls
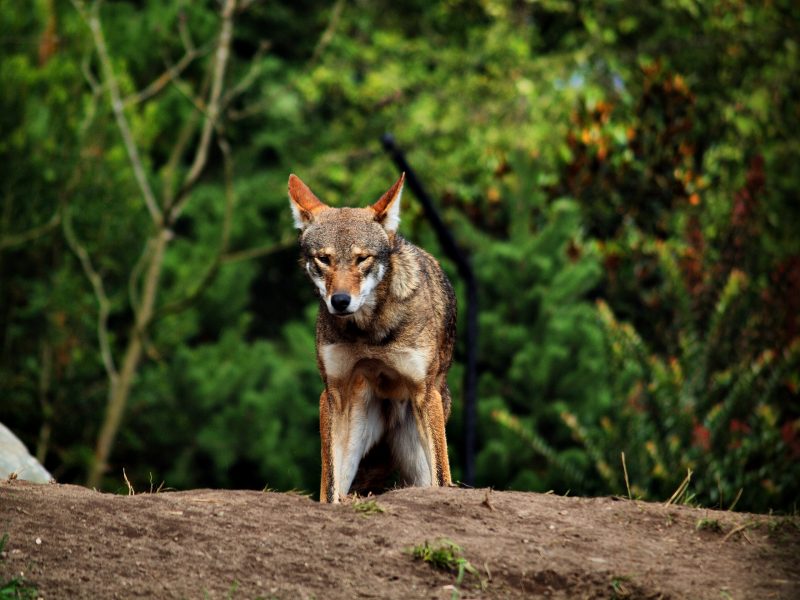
(387, 209)
(303, 202)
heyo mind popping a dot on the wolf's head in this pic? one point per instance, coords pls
(345, 250)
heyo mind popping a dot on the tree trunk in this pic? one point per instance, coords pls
(120, 388)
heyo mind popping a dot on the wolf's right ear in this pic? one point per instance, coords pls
(303, 202)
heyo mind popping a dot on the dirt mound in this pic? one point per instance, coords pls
(71, 542)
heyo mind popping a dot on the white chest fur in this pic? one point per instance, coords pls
(339, 360)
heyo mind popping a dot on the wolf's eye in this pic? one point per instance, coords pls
(361, 259)
(325, 260)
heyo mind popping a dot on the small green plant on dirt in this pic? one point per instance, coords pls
(230, 595)
(232, 589)
(706, 524)
(15, 588)
(447, 556)
(131, 491)
(682, 495)
(368, 507)
(782, 524)
(619, 589)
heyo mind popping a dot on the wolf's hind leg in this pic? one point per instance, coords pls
(436, 417)
(408, 449)
(429, 418)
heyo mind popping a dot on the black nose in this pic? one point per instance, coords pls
(340, 302)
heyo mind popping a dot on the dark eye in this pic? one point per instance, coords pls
(325, 260)
(361, 259)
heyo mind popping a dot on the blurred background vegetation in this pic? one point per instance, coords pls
(623, 174)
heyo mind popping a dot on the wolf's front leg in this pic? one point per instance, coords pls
(327, 487)
(350, 424)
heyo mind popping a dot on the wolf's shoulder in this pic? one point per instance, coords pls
(419, 255)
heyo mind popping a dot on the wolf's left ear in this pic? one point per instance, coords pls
(303, 202)
(387, 209)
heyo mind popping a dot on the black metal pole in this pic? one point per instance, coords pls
(460, 258)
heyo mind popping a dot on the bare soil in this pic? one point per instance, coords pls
(71, 542)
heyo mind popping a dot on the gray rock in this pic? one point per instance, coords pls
(15, 458)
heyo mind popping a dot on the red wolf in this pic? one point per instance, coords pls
(385, 335)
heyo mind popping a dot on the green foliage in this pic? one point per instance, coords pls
(684, 411)
(241, 414)
(542, 345)
(702, 369)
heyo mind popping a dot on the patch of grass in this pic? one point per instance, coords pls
(232, 589)
(15, 588)
(625, 472)
(619, 589)
(706, 524)
(447, 556)
(368, 507)
(131, 491)
(779, 523)
(160, 487)
(231, 592)
(736, 500)
(781, 527)
(682, 495)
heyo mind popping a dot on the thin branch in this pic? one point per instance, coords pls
(230, 194)
(170, 169)
(136, 272)
(258, 252)
(245, 5)
(330, 31)
(248, 111)
(223, 257)
(133, 294)
(173, 72)
(211, 273)
(212, 111)
(264, 103)
(97, 93)
(184, 137)
(256, 67)
(31, 234)
(110, 80)
(45, 378)
(184, 33)
(97, 89)
(193, 100)
(99, 291)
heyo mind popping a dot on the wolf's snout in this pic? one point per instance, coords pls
(340, 302)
